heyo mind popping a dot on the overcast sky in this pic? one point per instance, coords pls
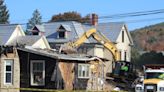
(21, 10)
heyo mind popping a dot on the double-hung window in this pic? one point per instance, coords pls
(37, 73)
(8, 71)
(83, 71)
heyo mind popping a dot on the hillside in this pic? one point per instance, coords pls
(149, 38)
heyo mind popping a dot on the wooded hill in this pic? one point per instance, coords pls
(149, 38)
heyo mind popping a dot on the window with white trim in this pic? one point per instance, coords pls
(83, 71)
(8, 71)
(37, 72)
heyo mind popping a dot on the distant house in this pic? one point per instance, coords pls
(58, 33)
(9, 32)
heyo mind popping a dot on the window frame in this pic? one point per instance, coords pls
(89, 71)
(31, 72)
(123, 36)
(64, 33)
(125, 55)
(5, 72)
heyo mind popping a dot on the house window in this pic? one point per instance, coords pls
(83, 71)
(8, 71)
(35, 33)
(62, 34)
(37, 73)
(120, 55)
(125, 55)
(83, 50)
(122, 36)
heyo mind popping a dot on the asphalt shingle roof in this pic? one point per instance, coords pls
(74, 29)
(111, 30)
(6, 31)
(40, 28)
(25, 40)
(67, 27)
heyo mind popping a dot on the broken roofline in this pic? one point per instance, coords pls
(62, 56)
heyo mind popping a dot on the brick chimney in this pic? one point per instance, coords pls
(94, 19)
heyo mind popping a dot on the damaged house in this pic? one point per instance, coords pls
(44, 69)
(9, 58)
(29, 62)
(58, 33)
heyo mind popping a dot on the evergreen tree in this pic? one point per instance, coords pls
(36, 19)
(4, 13)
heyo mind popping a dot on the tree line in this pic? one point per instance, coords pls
(149, 57)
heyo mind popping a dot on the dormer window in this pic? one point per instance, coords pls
(38, 30)
(35, 31)
(62, 34)
(63, 31)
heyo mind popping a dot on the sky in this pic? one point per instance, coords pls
(21, 10)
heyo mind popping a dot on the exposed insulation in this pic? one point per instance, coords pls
(67, 72)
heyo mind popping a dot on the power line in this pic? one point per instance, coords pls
(134, 14)
(127, 21)
(119, 16)
(141, 20)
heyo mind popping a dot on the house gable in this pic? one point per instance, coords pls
(41, 43)
(124, 43)
(124, 36)
(16, 33)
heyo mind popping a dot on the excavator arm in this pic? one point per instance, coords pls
(70, 46)
(107, 44)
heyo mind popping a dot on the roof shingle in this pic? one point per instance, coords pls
(25, 40)
(6, 31)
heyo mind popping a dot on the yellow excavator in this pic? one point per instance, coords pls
(119, 73)
(70, 47)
